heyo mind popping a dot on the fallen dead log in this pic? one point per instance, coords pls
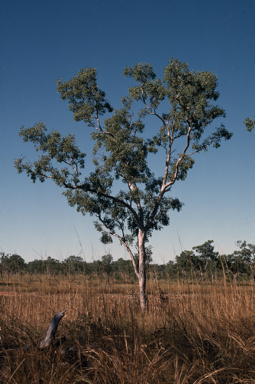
(50, 334)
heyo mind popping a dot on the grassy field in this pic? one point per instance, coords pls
(190, 334)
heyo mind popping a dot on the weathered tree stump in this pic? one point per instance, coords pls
(50, 334)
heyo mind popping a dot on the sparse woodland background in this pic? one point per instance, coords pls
(201, 263)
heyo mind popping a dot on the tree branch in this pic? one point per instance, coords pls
(122, 241)
(113, 198)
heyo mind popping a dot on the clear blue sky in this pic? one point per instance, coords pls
(44, 40)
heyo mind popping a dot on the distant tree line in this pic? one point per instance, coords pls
(200, 264)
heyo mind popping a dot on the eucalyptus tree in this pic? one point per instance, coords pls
(180, 107)
(12, 263)
(208, 260)
(246, 257)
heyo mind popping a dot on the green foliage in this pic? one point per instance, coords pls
(242, 260)
(250, 124)
(61, 149)
(206, 251)
(74, 264)
(11, 263)
(107, 263)
(84, 96)
(36, 266)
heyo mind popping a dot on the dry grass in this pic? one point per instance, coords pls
(190, 334)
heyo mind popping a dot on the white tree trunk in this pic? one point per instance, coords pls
(142, 270)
